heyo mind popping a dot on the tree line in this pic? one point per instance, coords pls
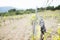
(12, 12)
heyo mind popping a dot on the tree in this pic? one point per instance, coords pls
(30, 10)
(12, 10)
(58, 7)
(19, 12)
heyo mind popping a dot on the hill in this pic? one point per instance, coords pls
(5, 9)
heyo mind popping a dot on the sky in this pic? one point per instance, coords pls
(26, 4)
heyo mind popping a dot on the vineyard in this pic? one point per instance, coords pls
(19, 27)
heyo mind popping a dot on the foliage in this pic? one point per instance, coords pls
(28, 11)
(19, 12)
(33, 17)
(12, 10)
(40, 9)
(58, 31)
(58, 7)
(50, 8)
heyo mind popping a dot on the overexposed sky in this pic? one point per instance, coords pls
(24, 4)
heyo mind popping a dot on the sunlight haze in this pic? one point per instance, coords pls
(25, 4)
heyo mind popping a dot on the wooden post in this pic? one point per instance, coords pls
(34, 32)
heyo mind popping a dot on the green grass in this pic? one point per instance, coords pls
(0, 22)
(50, 14)
(58, 30)
(13, 17)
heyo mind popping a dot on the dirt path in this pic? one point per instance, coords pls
(15, 29)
